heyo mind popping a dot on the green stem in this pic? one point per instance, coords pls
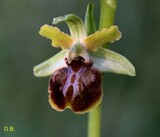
(107, 13)
(94, 123)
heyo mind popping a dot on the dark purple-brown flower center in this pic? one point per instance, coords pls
(77, 87)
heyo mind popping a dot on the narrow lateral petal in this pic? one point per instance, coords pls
(108, 61)
(59, 39)
(96, 40)
(49, 66)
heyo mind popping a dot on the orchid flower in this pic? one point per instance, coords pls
(76, 71)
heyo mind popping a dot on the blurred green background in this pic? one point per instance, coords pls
(131, 105)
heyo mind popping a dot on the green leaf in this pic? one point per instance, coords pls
(89, 19)
(76, 25)
(49, 66)
(108, 61)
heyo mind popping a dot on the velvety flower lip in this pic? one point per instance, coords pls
(76, 71)
(77, 87)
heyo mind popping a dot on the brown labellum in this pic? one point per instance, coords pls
(77, 87)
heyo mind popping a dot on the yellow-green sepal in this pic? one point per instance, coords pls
(108, 61)
(75, 24)
(49, 66)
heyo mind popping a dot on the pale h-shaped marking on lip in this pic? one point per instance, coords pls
(74, 82)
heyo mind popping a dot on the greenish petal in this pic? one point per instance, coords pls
(49, 66)
(59, 39)
(76, 25)
(96, 40)
(108, 61)
(89, 19)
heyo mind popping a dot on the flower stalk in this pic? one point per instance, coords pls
(94, 122)
(107, 13)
